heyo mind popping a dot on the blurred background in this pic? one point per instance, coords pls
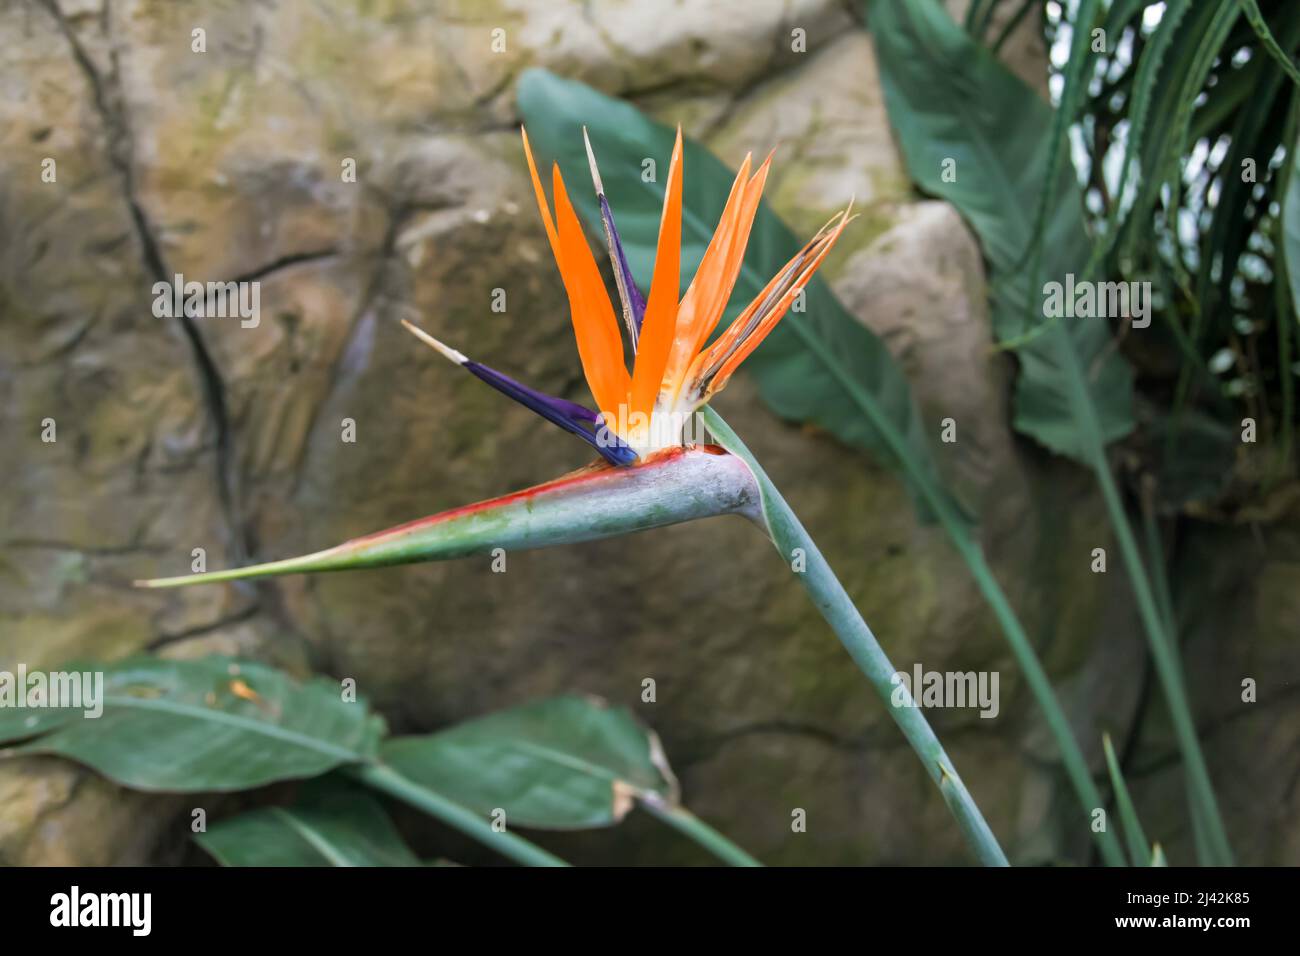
(178, 433)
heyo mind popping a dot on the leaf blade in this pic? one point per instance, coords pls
(211, 724)
(563, 763)
(938, 83)
(331, 825)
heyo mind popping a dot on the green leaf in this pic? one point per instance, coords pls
(330, 825)
(1201, 466)
(1291, 227)
(213, 724)
(1286, 281)
(950, 99)
(1128, 818)
(1195, 43)
(821, 365)
(1147, 100)
(472, 823)
(1077, 74)
(1254, 132)
(565, 763)
(1260, 26)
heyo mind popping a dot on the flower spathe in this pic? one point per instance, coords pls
(597, 501)
(674, 370)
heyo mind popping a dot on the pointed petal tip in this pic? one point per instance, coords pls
(591, 161)
(446, 350)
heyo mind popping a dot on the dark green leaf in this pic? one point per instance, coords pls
(213, 724)
(1077, 75)
(330, 825)
(1291, 226)
(1149, 90)
(950, 99)
(1195, 42)
(1275, 50)
(566, 763)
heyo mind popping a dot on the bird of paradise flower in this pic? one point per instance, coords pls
(648, 476)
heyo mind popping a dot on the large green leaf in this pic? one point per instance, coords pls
(1291, 226)
(565, 763)
(329, 825)
(214, 724)
(821, 365)
(1076, 75)
(949, 99)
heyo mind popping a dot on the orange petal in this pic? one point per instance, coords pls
(744, 324)
(600, 346)
(706, 299)
(755, 338)
(541, 198)
(660, 319)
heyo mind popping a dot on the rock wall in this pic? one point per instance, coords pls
(175, 434)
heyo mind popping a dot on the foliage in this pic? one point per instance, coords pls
(219, 724)
(1179, 118)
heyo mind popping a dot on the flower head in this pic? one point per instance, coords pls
(642, 412)
(674, 368)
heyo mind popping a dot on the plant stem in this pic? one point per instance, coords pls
(387, 780)
(687, 823)
(830, 598)
(1138, 847)
(1163, 652)
(1076, 767)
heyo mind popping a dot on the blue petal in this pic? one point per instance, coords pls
(635, 302)
(572, 417)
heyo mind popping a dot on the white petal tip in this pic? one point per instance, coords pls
(447, 351)
(591, 161)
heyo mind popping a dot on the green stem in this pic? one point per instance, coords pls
(830, 598)
(688, 824)
(1138, 847)
(1076, 767)
(387, 780)
(1260, 26)
(1040, 685)
(1163, 652)
(1010, 28)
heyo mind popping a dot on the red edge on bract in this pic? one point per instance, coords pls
(592, 472)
